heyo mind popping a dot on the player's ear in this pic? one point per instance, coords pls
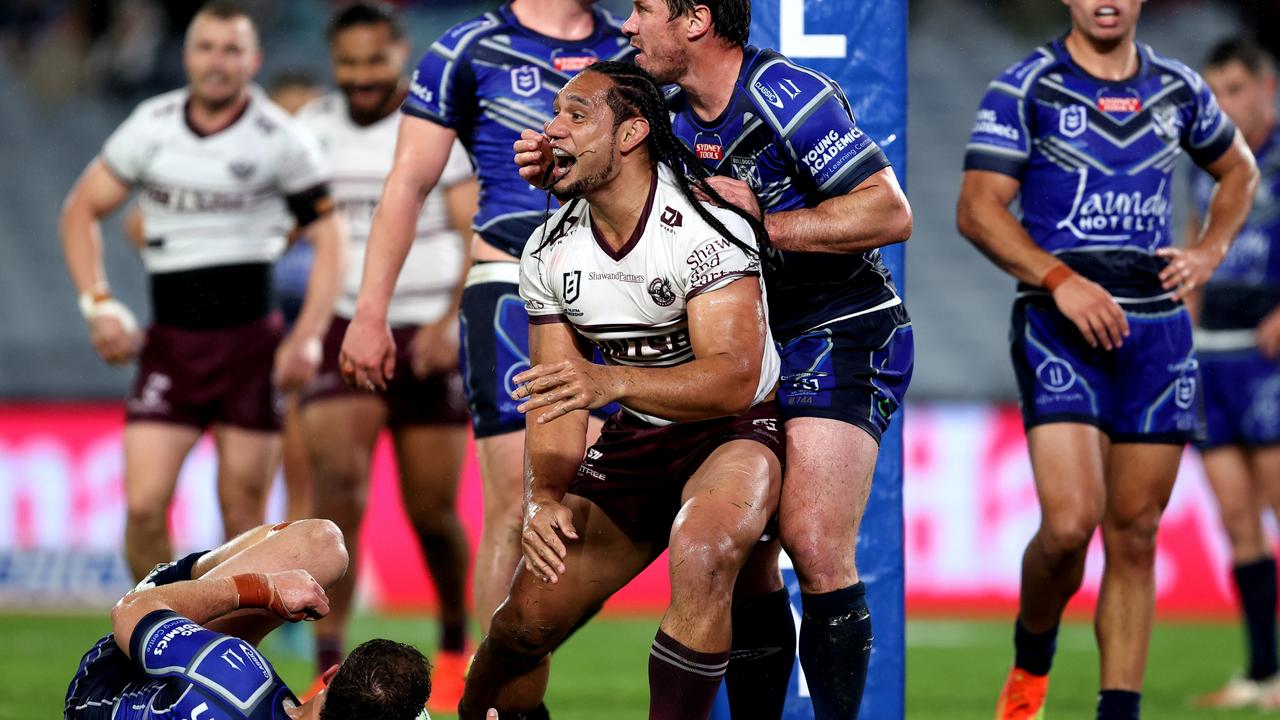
(698, 21)
(633, 133)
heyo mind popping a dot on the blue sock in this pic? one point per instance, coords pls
(1033, 652)
(1118, 705)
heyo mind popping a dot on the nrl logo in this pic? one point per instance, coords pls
(525, 81)
(572, 285)
(1073, 120)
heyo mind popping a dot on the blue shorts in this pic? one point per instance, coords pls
(854, 370)
(1148, 391)
(1241, 398)
(292, 272)
(495, 348)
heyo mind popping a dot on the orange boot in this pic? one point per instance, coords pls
(1023, 696)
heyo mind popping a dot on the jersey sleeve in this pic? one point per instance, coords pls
(999, 140)
(712, 261)
(301, 164)
(127, 149)
(443, 87)
(535, 289)
(1208, 133)
(457, 168)
(812, 116)
(166, 644)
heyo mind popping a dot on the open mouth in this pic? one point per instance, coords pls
(1107, 12)
(563, 159)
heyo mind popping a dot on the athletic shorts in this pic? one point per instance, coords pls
(105, 671)
(203, 377)
(1147, 391)
(636, 472)
(495, 348)
(1241, 398)
(855, 370)
(410, 400)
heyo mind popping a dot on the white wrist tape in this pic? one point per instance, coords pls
(92, 308)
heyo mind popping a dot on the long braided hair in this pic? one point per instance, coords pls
(636, 94)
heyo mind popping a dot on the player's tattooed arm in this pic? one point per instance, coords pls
(552, 454)
(873, 214)
(982, 216)
(1237, 174)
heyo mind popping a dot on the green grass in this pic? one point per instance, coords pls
(955, 668)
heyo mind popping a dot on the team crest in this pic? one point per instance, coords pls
(1056, 375)
(1073, 120)
(660, 291)
(1184, 392)
(746, 170)
(1164, 117)
(572, 285)
(525, 81)
(242, 169)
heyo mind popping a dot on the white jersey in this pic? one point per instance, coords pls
(361, 159)
(217, 199)
(632, 304)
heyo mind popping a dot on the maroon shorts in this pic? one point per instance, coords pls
(205, 377)
(410, 400)
(636, 472)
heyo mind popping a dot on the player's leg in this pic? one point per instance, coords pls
(726, 505)
(294, 462)
(341, 433)
(1265, 466)
(764, 635)
(247, 462)
(153, 457)
(511, 666)
(1139, 481)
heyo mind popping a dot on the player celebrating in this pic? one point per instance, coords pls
(1086, 130)
(481, 82)
(1238, 341)
(183, 643)
(424, 404)
(845, 337)
(218, 165)
(669, 291)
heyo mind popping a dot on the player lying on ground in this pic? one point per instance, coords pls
(669, 291)
(183, 642)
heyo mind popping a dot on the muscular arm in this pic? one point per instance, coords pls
(95, 195)
(727, 332)
(552, 450)
(327, 235)
(201, 601)
(1237, 175)
(872, 215)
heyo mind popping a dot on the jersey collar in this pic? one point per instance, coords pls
(634, 240)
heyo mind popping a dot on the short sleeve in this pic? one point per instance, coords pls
(999, 140)
(301, 164)
(539, 301)
(127, 149)
(811, 114)
(166, 644)
(712, 262)
(1209, 132)
(457, 168)
(443, 87)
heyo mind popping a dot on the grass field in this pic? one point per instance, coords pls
(955, 668)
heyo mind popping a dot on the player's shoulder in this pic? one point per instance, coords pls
(323, 108)
(269, 119)
(679, 215)
(551, 236)
(1171, 67)
(456, 40)
(783, 89)
(1018, 78)
(611, 22)
(160, 108)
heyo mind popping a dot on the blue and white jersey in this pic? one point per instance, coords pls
(179, 669)
(489, 78)
(1096, 158)
(790, 134)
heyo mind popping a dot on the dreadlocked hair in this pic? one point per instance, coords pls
(636, 94)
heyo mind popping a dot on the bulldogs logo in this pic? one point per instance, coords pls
(660, 291)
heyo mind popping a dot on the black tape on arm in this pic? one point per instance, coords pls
(310, 204)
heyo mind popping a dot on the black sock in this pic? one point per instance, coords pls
(1118, 705)
(453, 638)
(763, 655)
(1033, 652)
(835, 646)
(1256, 583)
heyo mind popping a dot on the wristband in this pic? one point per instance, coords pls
(96, 305)
(1057, 275)
(89, 302)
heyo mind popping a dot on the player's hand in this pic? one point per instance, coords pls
(368, 357)
(114, 340)
(297, 361)
(735, 191)
(1269, 335)
(568, 385)
(1188, 269)
(297, 596)
(534, 160)
(544, 552)
(1094, 312)
(435, 348)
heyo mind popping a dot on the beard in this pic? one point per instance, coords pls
(374, 112)
(584, 185)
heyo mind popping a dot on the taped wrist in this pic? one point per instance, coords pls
(253, 590)
(1057, 275)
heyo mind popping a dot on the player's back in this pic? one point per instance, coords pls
(489, 78)
(789, 132)
(179, 670)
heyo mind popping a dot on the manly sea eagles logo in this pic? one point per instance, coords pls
(1073, 120)
(525, 81)
(660, 291)
(572, 285)
(242, 169)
